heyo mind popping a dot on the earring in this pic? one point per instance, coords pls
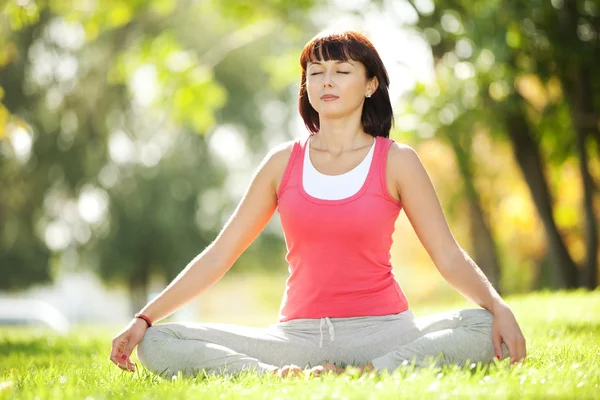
(368, 95)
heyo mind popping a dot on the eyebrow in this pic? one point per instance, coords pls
(337, 62)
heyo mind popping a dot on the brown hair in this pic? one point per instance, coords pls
(377, 115)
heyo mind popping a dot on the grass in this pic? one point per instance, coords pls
(562, 329)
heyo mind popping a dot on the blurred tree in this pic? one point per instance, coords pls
(511, 63)
(81, 88)
(155, 217)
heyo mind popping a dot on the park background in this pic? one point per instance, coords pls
(129, 130)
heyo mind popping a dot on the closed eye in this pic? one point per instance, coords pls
(316, 73)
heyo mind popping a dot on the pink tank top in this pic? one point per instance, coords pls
(339, 250)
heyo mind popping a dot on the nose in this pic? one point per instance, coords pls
(327, 81)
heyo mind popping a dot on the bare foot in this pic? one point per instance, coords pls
(333, 368)
(288, 370)
(337, 370)
(324, 369)
(366, 368)
(319, 370)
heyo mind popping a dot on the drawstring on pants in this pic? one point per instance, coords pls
(331, 331)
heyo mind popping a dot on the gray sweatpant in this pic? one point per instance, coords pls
(386, 341)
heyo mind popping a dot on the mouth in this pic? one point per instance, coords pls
(329, 97)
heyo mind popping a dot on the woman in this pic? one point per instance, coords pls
(338, 192)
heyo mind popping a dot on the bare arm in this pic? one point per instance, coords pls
(425, 214)
(252, 214)
(422, 207)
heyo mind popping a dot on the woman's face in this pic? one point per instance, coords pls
(337, 88)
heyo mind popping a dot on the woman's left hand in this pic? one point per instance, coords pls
(505, 329)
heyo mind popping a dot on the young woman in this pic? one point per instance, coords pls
(338, 192)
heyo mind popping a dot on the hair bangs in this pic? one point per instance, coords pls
(327, 48)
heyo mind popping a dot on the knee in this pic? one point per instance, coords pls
(477, 319)
(151, 345)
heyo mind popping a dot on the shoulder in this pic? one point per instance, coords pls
(280, 154)
(277, 158)
(404, 165)
(402, 156)
(275, 162)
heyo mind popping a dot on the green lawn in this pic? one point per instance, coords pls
(562, 330)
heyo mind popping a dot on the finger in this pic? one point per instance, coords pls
(519, 351)
(126, 366)
(522, 349)
(122, 365)
(497, 342)
(118, 345)
(114, 353)
(130, 365)
(127, 351)
(512, 347)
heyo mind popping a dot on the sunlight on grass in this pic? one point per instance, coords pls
(562, 329)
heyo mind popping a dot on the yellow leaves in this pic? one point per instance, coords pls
(163, 7)
(22, 14)
(498, 90)
(120, 14)
(3, 120)
(517, 211)
(513, 36)
(8, 52)
(568, 199)
(3, 115)
(530, 86)
(91, 29)
(554, 89)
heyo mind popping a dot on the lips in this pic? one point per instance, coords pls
(329, 97)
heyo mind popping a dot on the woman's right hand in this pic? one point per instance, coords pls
(124, 343)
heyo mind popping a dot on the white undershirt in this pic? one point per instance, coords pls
(334, 187)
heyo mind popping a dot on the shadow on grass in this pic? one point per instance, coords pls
(579, 327)
(46, 346)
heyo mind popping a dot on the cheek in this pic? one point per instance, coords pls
(357, 87)
(312, 89)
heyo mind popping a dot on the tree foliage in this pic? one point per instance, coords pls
(111, 107)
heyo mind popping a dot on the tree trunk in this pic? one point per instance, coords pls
(484, 246)
(582, 111)
(577, 84)
(485, 252)
(138, 290)
(528, 157)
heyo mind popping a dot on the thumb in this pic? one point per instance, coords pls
(497, 342)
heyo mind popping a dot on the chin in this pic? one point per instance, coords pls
(333, 114)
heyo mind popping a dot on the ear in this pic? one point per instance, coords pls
(372, 85)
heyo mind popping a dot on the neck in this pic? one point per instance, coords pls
(340, 135)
